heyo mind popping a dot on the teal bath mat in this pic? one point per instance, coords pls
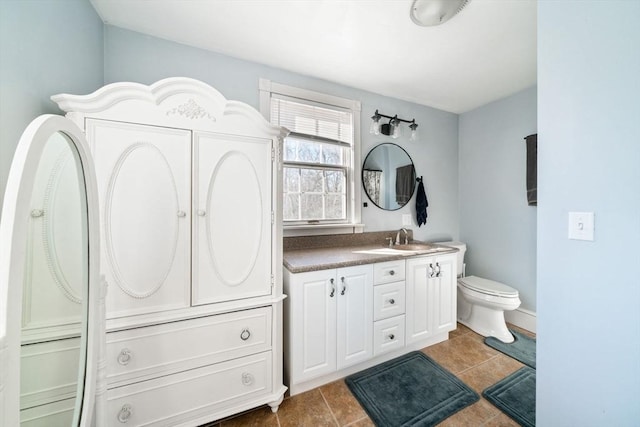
(516, 396)
(411, 390)
(522, 349)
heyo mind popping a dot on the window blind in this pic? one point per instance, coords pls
(327, 123)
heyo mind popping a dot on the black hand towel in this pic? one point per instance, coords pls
(421, 205)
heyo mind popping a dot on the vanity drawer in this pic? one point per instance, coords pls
(386, 272)
(147, 352)
(388, 300)
(388, 335)
(174, 399)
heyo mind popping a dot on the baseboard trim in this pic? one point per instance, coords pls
(522, 318)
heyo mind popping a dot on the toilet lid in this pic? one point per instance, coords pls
(485, 286)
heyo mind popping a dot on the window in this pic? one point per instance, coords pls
(319, 155)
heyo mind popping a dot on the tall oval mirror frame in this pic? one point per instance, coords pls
(49, 285)
(388, 176)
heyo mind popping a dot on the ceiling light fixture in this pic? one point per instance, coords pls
(428, 13)
(393, 127)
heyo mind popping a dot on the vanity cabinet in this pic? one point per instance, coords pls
(388, 309)
(330, 318)
(190, 191)
(431, 296)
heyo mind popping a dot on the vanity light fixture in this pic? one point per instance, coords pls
(393, 127)
(428, 13)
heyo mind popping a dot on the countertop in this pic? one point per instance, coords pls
(314, 259)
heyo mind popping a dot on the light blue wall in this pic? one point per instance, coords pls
(46, 47)
(589, 150)
(131, 56)
(496, 223)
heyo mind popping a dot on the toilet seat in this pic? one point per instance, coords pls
(488, 287)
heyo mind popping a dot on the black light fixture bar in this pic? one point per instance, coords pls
(391, 128)
(379, 115)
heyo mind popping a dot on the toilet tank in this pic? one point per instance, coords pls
(462, 248)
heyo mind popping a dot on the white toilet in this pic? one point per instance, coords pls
(482, 302)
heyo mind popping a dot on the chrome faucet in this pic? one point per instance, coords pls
(406, 236)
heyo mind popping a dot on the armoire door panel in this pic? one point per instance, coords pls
(56, 255)
(145, 186)
(232, 221)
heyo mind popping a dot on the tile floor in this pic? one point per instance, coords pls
(464, 354)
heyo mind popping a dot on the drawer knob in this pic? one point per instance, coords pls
(124, 357)
(392, 301)
(247, 378)
(125, 413)
(391, 337)
(182, 214)
(245, 334)
(202, 212)
(392, 272)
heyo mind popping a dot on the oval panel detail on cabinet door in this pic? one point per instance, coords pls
(138, 212)
(232, 226)
(144, 182)
(229, 205)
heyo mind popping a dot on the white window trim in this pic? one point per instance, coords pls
(353, 225)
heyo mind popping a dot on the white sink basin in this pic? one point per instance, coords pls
(404, 250)
(386, 251)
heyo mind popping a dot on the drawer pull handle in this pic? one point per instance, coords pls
(245, 334)
(392, 272)
(124, 357)
(391, 337)
(438, 272)
(431, 270)
(392, 301)
(333, 289)
(247, 379)
(202, 212)
(344, 286)
(125, 413)
(182, 214)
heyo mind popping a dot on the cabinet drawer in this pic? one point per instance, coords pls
(41, 385)
(174, 399)
(58, 413)
(144, 353)
(388, 335)
(390, 271)
(388, 300)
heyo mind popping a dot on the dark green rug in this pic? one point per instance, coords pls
(522, 349)
(411, 390)
(516, 396)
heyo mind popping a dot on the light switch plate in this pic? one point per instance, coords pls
(406, 219)
(581, 225)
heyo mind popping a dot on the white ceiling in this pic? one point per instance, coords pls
(486, 52)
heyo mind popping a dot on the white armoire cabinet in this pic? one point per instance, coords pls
(190, 201)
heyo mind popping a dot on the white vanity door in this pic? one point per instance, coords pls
(144, 182)
(355, 315)
(445, 310)
(232, 206)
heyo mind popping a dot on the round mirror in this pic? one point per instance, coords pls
(388, 176)
(48, 283)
